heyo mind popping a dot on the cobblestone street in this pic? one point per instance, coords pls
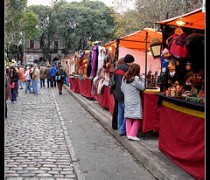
(35, 144)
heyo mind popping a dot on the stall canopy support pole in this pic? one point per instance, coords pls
(117, 49)
(146, 60)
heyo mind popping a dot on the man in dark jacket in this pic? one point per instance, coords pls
(118, 75)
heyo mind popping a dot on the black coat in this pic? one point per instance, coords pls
(118, 81)
(14, 77)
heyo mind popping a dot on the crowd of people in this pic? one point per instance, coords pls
(125, 86)
(29, 77)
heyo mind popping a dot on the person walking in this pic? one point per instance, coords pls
(118, 75)
(48, 77)
(35, 79)
(52, 74)
(131, 86)
(28, 80)
(21, 76)
(7, 90)
(60, 76)
(42, 76)
(31, 69)
(14, 77)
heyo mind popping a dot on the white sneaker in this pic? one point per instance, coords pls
(133, 138)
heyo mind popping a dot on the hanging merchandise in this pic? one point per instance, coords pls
(101, 55)
(94, 62)
(165, 57)
(72, 66)
(177, 45)
(89, 64)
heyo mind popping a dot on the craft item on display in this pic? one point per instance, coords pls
(188, 77)
(173, 78)
(165, 57)
(177, 46)
(94, 61)
(101, 55)
(89, 64)
(71, 66)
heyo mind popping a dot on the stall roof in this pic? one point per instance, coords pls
(194, 19)
(137, 40)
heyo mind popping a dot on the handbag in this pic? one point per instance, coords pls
(58, 78)
(12, 85)
(111, 81)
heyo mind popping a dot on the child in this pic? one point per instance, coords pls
(131, 86)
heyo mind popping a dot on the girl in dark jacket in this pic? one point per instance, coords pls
(14, 77)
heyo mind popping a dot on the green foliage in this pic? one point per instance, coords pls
(76, 22)
(29, 22)
(127, 23)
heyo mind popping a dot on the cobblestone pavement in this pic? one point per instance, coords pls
(35, 145)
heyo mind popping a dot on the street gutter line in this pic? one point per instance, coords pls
(72, 154)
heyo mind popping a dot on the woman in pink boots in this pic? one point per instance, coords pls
(131, 86)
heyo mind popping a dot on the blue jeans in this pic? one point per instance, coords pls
(27, 86)
(121, 119)
(42, 82)
(66, 80)
(35, 86)
(14, 94)
(20, 84)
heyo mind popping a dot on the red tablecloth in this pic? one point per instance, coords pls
(106, 99)
(150, 112)
(82, 86)
(85, 87)
(181, 138)
(74, 84)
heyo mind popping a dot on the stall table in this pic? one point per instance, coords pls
(106, 99)
(181, 134)
(73, 82)
(81, 86)
(150, 111)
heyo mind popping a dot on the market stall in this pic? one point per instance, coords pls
(138, 44)
(182, 120)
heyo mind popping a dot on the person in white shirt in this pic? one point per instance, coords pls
(27, 80)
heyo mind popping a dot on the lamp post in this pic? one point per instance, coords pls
(24, 48)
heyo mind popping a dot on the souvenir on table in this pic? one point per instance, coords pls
(188, 77)
(172, 78)
(162, 79)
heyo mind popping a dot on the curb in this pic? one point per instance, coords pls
(74, 160)
(159, 169)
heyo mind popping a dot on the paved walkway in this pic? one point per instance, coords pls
(35, 144)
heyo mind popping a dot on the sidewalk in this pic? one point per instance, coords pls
(146, 151)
